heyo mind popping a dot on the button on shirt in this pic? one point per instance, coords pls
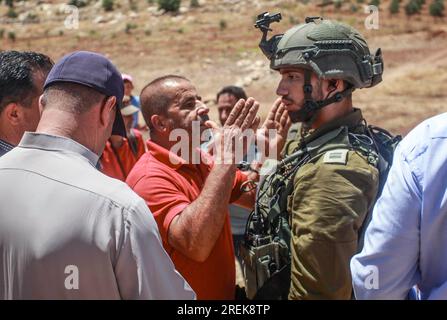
(69, 232)
(405, 243)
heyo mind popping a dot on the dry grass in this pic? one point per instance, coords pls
(193, 44)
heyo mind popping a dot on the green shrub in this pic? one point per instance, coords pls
(338, 4)
(133, 5)
(194, 4)
(437, 8)
(12, 36)
(11, 13)
(130, 27)
(394, 6)
(222, 24)
(108, 5)
(169, 5)
(412, 7)
(78, 3)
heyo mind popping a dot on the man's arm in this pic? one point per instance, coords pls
(270, 140)
(143, 269)
(195, 231)
(328, 206)
(387, 266)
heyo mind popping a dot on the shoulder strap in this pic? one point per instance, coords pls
(385, 144)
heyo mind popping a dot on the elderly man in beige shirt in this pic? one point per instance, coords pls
(66, 230)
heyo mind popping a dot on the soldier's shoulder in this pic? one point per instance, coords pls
(336, 163)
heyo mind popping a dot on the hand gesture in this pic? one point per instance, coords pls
(273, 134)
(230, 141)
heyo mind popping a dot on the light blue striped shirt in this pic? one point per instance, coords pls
(406, 242)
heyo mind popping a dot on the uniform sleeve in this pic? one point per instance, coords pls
(387, 267)
(164, 199)
(328, 206)
(143, 269)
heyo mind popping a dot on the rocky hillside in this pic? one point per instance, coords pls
(214, 43)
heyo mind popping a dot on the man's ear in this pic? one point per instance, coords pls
(159, 123)
(41, 104)
(108, 111)
(13, 113)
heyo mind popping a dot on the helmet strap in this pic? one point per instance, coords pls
(308, 112)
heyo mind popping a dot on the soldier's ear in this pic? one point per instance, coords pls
(333, 84)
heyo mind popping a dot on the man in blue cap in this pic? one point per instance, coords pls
(72, 232)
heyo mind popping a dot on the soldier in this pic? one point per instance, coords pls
(309, 211)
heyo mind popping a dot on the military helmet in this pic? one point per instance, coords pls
(331, 49)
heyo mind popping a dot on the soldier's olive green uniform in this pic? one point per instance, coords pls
(310, 208)
(329, 202)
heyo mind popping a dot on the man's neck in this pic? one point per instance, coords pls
(172, 146)
(330, 114)
(64, 124)
(9, 135)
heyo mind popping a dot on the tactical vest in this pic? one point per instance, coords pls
(266, 251)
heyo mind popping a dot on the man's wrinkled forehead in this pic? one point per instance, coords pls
(177, 85)
(181, 89)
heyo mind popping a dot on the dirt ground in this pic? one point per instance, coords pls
(216, 45)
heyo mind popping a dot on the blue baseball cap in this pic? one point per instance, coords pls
(95, 71)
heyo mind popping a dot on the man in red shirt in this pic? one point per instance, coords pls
(190, 201)
(121, 154)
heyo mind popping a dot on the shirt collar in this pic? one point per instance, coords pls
(351, 120)
(171, 159)
(56, 143)
(5, 147)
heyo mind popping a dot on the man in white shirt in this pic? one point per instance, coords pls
(66, 230)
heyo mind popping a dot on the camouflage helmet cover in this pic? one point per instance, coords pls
(332, 50)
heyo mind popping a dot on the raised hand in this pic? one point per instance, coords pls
(234, 136)
(273, 133)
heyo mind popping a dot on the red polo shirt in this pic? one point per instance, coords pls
(118, 163)
(169, 188)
